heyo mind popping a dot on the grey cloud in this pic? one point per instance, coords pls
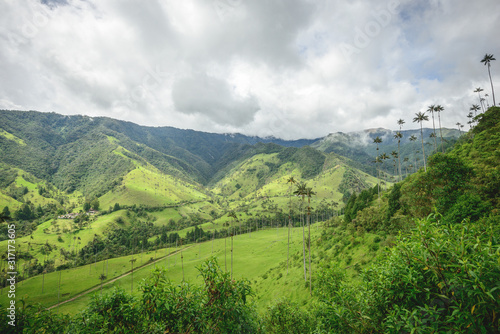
(204, 95)
(257, 31)
(257, 67)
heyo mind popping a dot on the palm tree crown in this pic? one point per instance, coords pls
(420, 117)
(474, 108)
(486, 60)
(440, 108)
(478, 90)
(400, 123)
(431, 109)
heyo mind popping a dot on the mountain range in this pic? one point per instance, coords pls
(104, 157)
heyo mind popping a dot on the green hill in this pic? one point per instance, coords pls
(359, 146)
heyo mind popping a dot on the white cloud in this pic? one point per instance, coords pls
(291, 69)
(200, 94)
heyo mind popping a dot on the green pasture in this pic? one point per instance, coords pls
(66, 229)
(9, 201)
(12, 137)
(147, 185)
(76, 280)
(259, 257)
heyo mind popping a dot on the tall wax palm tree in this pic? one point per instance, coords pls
(309, 193)
(301, 191)
(474, 108)
(486, 60)
(478, 90)
(420, 117)
(102, 277)
(400, 123)
(432, 108)
(394, 157)
(292, 181)
(132, 278)
(459, 132)
(433, 136)
(398, 136)
(487, 102)
(232, 214)
(413, 139)
(470, 116)
(43, 278)
(377, 141)
(440, 108)
(383, 157)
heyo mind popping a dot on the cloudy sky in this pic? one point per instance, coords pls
(288, 68)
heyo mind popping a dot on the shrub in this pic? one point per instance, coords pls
(468, 206)
(285, 317)
(443, 277)
(114, 312)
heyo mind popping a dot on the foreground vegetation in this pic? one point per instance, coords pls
(441, 277)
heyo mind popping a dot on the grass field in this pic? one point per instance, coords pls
(256, 257)
(32, 185)
(147, 185)
(62, 233)
(259, 257)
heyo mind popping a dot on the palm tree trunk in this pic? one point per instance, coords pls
(132, 279)
(309, 249)
(59, 289)
(182, 259)
(399, 164)
(423, 150)
(378, 184)
(491, 82)
(303, 240)
(440, 132)
(288, 251)
(434, 127)
(480, 102)
(232, 233)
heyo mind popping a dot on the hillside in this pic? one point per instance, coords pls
(359, 146)
(121, 162)
(44, 140)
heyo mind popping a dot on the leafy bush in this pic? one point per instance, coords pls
(285, 317)
(219, 306)
(109, 313)
(468, 206)
(443, 277)
(33, 319)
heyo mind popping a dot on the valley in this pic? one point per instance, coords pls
(145, 200)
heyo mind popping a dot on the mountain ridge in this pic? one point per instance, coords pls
(94, 154)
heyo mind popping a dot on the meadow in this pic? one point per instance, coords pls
(259, 257)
